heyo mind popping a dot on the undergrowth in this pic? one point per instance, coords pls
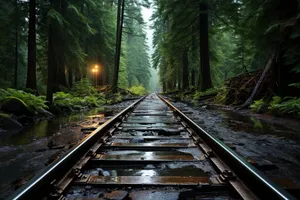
(279, 106)
(34, 103)
(221, 96)
(199, 94)
(138, 90)
(257, 105)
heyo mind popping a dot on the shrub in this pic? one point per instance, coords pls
(221, 96)
(138, 90)
(118, 97)
(35, 103)
(210, 91)
(84, 87)
(257, 105)
(62, 99)
(273, 107)
(291, 106)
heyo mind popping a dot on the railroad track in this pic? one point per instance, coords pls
(150, 150)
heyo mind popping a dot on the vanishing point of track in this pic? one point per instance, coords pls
(150, 150)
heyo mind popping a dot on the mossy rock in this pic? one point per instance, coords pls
(7, 123)
(54, 109)
(16, 106)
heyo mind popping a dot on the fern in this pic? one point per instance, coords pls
(257, 105)
(62, 99)
(273, 107)
(34, 103)
(291, 106)
(138, 90)
(297, 85)
(84, 88)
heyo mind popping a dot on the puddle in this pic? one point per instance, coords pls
(251, 124)
(48, 128)
(187, 170)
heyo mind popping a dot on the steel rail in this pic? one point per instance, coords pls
(254, 179)
(44, 182)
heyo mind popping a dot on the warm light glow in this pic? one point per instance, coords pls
(95, 69)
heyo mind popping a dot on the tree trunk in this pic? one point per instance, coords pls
(267, 68)
(52, 85)
(16, 46)
(77, 75)
(193, 77)
(51, 64)
(31, 70)
(179, 78)
(61, 71)
(164, 86)
(205, 77)
(118, 44)
(185, 70)
(70, 78)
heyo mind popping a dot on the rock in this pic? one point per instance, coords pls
(116, 195)
(57, 147)
(41, 150)
(88, 128)
(55, 110)
(7, 123)
(86, 132)
(150, 167)
(137, 140)
(2, 130)
(45, 113)
(103, 172)
(52, 159)
(23, 119)
(88, 187)
(16, 106)
(101, 122)
(150, 195)
(19, 182)
(51, 143)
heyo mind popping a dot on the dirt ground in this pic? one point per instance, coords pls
(271, 143)
(24, 154)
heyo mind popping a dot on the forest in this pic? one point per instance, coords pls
(246, 51)
(56, 52)
(66, 53)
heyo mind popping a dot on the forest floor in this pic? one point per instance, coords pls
(272, 144)
(26, 153)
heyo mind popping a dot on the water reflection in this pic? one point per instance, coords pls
(46, 128)
(251, 124)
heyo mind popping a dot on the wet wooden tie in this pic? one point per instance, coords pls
(150, 147)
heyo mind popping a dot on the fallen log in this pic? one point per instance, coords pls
(267, 68)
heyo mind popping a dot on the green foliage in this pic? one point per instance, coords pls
(273, 106)
(257, 105)
(297, 85)
(118, 97)
(33, 102)
(210, 91)
(221, 96)
(62, 99)
(138, 90)
(4, 115)
(84, 87)
(290, 106)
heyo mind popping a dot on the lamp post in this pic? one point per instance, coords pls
(95, 71)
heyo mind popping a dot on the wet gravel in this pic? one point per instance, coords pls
(272, 143)
(24, 154)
